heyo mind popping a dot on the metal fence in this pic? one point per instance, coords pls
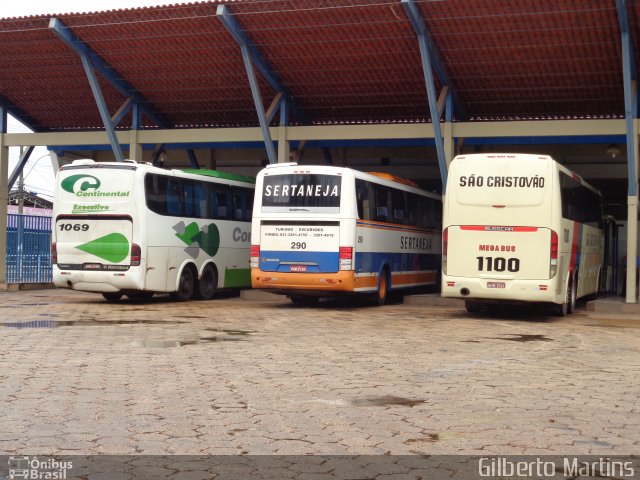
(28, 249)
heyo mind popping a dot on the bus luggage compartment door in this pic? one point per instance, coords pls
(297, 247)
(482, 251)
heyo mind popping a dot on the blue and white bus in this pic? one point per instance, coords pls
(322, 231)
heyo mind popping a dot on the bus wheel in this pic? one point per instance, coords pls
(186, 286)
(383, 288)
(303, 300)
(472, 307)
(112, 296)
(208, 284)
(571, 296)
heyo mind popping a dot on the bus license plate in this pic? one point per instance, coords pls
(298, 268)
(496, 285)
(92, 266)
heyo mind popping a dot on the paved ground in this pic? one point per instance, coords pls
(231, 376)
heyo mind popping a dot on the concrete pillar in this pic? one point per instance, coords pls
(284, 147)
(449, 144)
(135, 148)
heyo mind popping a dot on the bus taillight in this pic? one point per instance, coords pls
(346, 258)
(553, 265)
(54, 253)
(135, 255)
(254, 261)
(445, 244)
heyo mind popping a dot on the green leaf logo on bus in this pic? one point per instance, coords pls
(113, 247)
(207, 238)
(80, 183)
(87, 186)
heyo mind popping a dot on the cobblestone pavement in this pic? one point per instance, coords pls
(231, 376)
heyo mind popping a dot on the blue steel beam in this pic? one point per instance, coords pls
(436, 61)
(3, 118)
(242, 39)
(421, 31)
(629, 75)
(257, 100)
(122, 86)
(193, 159)
(24, 158)
(18, 114)
(102, 107)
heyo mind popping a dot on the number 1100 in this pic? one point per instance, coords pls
(498, 264)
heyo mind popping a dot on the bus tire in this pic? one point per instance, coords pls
(472, 307)
(565, 307)
(186, 285)
(112, 296)
(208, 283)
(571, 294)
(303, 300)
(383, 288)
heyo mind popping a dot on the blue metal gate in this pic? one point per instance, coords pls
(28, 249)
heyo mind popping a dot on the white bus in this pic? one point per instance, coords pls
(322, 231)
(126, 228)
(520, 228)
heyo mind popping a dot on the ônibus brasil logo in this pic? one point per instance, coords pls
(87, 186)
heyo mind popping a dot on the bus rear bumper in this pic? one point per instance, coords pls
(500, 290)
(341, 281)
(101, 282)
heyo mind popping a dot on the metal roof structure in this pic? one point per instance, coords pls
(341, 61)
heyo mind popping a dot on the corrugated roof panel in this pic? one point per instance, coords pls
(341, 60)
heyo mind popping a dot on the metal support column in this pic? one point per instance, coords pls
(135, 148)
(421, 31)
(631, 113)
(4, 194)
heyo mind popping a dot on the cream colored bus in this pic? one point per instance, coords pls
(520, 228)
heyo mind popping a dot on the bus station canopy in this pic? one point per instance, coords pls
(340, 62)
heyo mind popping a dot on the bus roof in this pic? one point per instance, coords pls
(218, 174)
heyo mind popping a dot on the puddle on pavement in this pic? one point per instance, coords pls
(150, 343)
(430, 438)
(386, 401)
(87, 322)
(244, 333)
(513, 337)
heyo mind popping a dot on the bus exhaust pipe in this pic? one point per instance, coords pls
(69, 283)
(464, 291)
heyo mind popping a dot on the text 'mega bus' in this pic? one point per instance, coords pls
(320, 231)
(520, 228)
(126, 228)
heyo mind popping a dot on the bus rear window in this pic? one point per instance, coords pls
(310, 192)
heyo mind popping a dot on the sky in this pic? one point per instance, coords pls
(38, 171)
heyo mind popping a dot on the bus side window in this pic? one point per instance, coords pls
(398, 203)
(383, 201)
(362, 200)
(194, 199)
(241, 202)
(219, 201)
(156, 193)
(174, 204)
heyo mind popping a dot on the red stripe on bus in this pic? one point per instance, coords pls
(492, 228)
(575, 241)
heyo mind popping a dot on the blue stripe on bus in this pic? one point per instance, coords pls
(370, 262)
(323, 262)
